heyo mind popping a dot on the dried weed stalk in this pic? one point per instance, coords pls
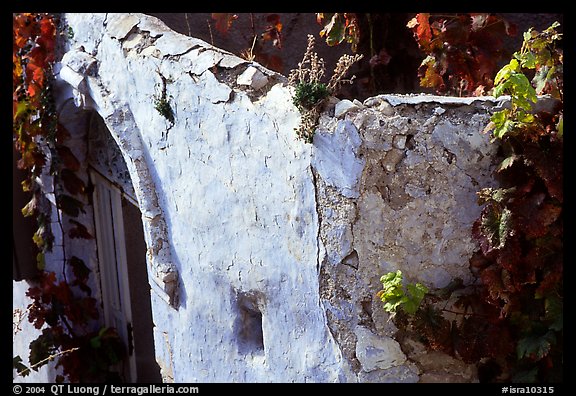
(311, 93)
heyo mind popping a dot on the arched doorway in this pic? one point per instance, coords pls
(121, 248)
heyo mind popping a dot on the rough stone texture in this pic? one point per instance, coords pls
(264, 252)
(425, 158)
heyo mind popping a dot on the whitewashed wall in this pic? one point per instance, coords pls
(241, 216)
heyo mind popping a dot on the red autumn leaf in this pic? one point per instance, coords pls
(429, 75)
(34, 89)
(34, 293)
(549, 166)
(63, 293)
(420, 25)
(47, 38)
(37, 58)
(274, 21)
(31, 158)
(224, 21)
(552, 279)
(492, 279)
(510, 254)
(22, 28)
(273, 31)
(497, 341)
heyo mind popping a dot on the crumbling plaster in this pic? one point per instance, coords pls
(244, 221)
(410, 207)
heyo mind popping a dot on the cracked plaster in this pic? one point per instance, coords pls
(233, 204)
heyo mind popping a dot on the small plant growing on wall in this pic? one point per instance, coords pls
(395, 295)
(161, 103)
(311, 92)
(509, 322)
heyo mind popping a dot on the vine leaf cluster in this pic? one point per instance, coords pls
(463, 51)
(511, 321)
(62, 306)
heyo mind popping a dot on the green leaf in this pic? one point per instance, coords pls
(307, 94)
(500, 117)
(501, 130)
(392, 303)
(535, 347)
(521, 91)
(542, 76)
(391, 293)
(560, 126)
(527, 60)
(505, 73)
(21, 108)
(394, 296)
(40, 261)
(417, 292)
(335, 30)
(96, 342)
(30, 207)
(524, 118)
(507, 162)
(37, 237)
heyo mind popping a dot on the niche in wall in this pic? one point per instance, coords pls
(248, 324)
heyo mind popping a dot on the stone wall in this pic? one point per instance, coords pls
(396, 184)
(265, 252)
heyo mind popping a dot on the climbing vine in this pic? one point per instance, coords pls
(462, 51)
(62, 304)
(511, 321)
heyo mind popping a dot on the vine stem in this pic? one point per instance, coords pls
(188, 24)
(59, 218)
(48, 359)
(372, 51)
(210, 31)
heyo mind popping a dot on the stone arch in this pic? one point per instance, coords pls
(120, 122)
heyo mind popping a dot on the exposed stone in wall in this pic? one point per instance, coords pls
(410, 207)
(266, 252)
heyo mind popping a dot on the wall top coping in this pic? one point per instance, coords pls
(398, 99)
(545, 103)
